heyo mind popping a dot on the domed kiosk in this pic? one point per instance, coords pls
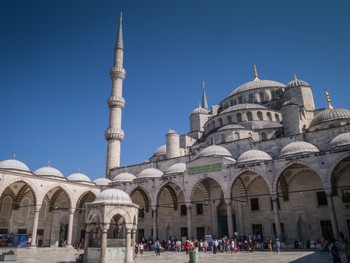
(111, 224)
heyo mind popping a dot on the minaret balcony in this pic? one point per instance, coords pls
(114, 134)
(117, 73)
(116, 102)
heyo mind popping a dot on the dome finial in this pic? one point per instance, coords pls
(256, 77)
(295, 76)
(49, 163)
(328, 100)
(14, 156)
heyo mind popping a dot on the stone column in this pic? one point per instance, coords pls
(229, 218)
(155, 236)
(103, 255)
(33, 244)
(133, 235)
(214, 218)
(240, 218)
(189, 221)
(277, 215)
(332, 213)
(86, 243)
(70, 227)
(129, 250)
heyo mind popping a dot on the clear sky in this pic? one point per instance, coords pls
(55, 58)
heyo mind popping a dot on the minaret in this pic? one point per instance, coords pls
(114, 134)
(204, 98)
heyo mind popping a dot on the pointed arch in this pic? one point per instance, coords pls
(172, 194)
(32, 186)
(87, 196)
(144, 195)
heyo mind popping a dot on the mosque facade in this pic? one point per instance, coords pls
(263, 161)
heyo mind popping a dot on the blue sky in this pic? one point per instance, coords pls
(55, 57)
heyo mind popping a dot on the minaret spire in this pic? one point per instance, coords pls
(328, 100)
(256, 77)
(204, 97)
(114, 134)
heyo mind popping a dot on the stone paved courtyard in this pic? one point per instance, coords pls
(68, 255)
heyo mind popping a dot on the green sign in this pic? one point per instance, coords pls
(204, 169)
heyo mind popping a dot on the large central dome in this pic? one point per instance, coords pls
(257, 84)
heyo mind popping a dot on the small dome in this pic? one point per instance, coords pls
(296, 83)
(231, 127)
(48, 171)
(214, 150)
(328, 115)
(200, 110)
(150, 173)
(298, 148)
(124, 177)
(289, 103)
(160, 151)
(114, 196)
(253, 156)
(102, 181)
(78, 177)
(257, 84)
(340, 140)
(176, 168)
(244, 106)
(14, 164)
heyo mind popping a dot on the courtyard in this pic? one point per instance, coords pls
(64, 255)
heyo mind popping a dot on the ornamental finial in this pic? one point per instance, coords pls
(121, 17)
(14, 156)
(49, 163)
(295, 76)
(328, 100)
(255, 73)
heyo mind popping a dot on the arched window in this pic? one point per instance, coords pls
(249, 116)
(239, 117)
(213, 125)
(240, 100)
(250, 99)
(263, 136)
(6, 205)
(260, 116)
(269, 116)
(261, 96)
(221, 123)
(222, 138)
(236, 136)
(277, 117)
(229, 119)
(231, 102)
(234, 102)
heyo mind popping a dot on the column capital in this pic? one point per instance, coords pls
(71, 210)
(228, 201)
(104, 227)
(154, 207)
(274, 197)
(37, 208)
(189, 205)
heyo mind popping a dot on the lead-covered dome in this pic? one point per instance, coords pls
(244, 106)
(150, 173)
(257, 84)
(124, 177)
(297, 83)
(160, 151)
(214, 151)
(298, 148)
(78, 177)
(14, 164)
(200, 110)
(102, 181)
(231, 127)
(340, 140)
(48, 171)
(329, 117)
(176, 168)
(253, 156)
(114, 196)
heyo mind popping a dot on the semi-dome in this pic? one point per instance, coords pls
(298, 148)
(340, 140)
(244, 106)
(14, 164)
(150, 173)
(231, 127)
(253, 156)
(297, 83)
(329, 115)
(114, 196)
(79, 177)
(176, 168)
(102, 181)
(257, 84)
(214, 150)
(124, 177)
(160, 151)
(48, 171)
(200, 110)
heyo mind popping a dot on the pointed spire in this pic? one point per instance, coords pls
(119, 43)
(328, 100)
(204, 98)
(256, 77)
(14, 156)
(295, 76)
(49, 163)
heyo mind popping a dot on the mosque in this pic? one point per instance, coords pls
(263, 161)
